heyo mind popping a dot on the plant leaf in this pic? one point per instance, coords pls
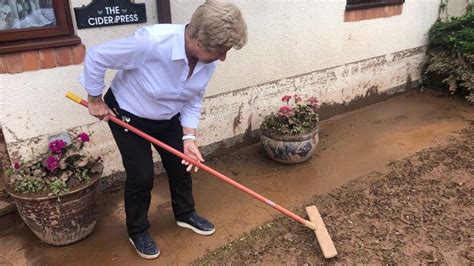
(62, 164)
(65, 176)
(81, 162)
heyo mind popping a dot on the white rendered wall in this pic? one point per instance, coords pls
(289, 38)
(455, 8)
(294, 46)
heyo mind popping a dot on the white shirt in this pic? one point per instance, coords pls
(151, 81)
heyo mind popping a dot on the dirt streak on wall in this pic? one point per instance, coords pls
(234, 117)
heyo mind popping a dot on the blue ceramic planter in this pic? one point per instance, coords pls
(290, 149)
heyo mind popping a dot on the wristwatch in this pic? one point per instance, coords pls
(192, 137)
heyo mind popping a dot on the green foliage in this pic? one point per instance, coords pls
(29, 185)
(451, 54)
(83, 175)
(54, 171)
(58, 187)
(455, 35)
(289, 120)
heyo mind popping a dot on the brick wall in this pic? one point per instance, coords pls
(372, 13)
(41, 59)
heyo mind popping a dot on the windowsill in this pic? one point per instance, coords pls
(50, 42)
(373, 13)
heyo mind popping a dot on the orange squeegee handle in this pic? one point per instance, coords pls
(198, 164)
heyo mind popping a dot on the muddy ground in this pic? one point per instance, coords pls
(358, 148)
(420, 211)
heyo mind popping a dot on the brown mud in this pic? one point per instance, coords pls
(419, 212)
(368, 147)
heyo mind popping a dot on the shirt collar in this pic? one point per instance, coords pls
(179, 51)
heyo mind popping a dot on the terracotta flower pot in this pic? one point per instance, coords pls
(61, 220)
(290, 149)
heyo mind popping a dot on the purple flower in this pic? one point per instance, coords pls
(16, 165)
(52, 163)
(83, 137)
(57, 146)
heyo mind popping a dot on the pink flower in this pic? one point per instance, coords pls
(52, 163)
(297, 98)
(285, 111)
(286, 98)
(83, 137)
(314, 102)
(16, 165)
(57, 146)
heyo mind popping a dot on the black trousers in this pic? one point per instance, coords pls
(138, 163)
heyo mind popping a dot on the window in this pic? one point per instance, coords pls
(35, 24)
(364, 4)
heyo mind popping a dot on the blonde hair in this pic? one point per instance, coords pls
(218, 25)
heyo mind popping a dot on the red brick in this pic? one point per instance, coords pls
(371, 13)
(78, 53)
(396, 10)
(30, 60)
(46, 58)
(366, 14)
(360, 14)
(63, 56)
(378, 12)
(3, 66)
(13, 62)
(347, 16)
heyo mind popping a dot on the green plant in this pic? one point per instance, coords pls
(450, 53)
(54, 172)
(58, 187)
(300, 117)
(29, 185)
(83, 175)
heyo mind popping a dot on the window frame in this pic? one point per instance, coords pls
(164, 11)
(62, 34)
(365, 4)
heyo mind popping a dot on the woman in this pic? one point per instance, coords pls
(163, 71)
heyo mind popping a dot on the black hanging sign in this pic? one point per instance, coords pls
(101, 13)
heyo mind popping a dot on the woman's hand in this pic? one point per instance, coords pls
(192, 151)
(98, 108)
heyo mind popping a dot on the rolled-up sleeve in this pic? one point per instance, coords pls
(191, 111)
(122, 54)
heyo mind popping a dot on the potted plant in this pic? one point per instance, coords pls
(56, 193)
(291, 135)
